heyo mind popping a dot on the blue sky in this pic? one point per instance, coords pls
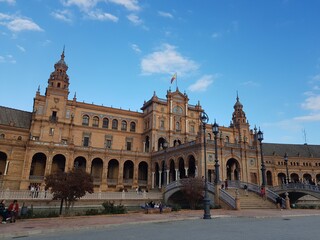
(120, 51)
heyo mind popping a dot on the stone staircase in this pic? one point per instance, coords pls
(252, 201)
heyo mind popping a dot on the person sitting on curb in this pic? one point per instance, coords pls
(3, 211)
(13, 210)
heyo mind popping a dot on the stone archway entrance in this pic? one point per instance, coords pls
(233, 170)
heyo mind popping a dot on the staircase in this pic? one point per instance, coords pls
(252, 201)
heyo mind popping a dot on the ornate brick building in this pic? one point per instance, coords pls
(126, 149)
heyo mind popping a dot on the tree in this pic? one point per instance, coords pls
(193, 188)
(69, 186)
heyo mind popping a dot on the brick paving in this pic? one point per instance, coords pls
(27, 227)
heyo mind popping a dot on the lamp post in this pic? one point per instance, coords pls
(206, 201)
(285, 158)
(215, 130)
(263, 166)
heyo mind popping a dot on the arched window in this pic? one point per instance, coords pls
(95, 121)
(178, 126)
(132, 127)
(105, 123)
(85, 120)
(114, 124)
(123, 125)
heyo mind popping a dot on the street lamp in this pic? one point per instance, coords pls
(263, 166)
(285, 158)
(215, 130)
(206, 201)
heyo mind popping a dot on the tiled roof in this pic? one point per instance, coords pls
(293, 150)
(15, 118)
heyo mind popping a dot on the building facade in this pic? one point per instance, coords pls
(124, 149)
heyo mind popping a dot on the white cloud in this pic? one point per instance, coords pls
(165, 14)
(316, 77)
(7, 59)
(102, 16)
(312, 103)
(167, 60)
(135, 48)
(134, 19)
(87, 5)
(22, 49)
(84, 5)
(11, 2)
(18, 24)
(308, 118)
(131, 5)
(216, 35)
(202, 84)
(63, 15)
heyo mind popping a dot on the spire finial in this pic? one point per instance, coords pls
(38, 88)
(62, 55)
(237, 96)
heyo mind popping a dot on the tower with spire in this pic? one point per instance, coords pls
(58, 82)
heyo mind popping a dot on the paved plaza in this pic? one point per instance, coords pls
(35, 228)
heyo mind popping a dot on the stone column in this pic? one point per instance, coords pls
(167, 174)
(186, 170)
(6, 168)
(177, 174)
(160, 176)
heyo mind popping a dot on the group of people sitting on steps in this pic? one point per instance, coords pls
(10, 213)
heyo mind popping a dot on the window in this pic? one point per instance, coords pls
(105, 123)
(177, 110)
(108, 141)
(2, 136)
(178, 126)
(54, 117)
(132, 127)
(124, 125)
(95, 121)
(192, 128)
(85, 120)
(51, 131)
(129, 144)
(86, 141)
(161, 124)
(114, 124)
(64, 141)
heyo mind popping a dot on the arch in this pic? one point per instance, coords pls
(172, 172)
(38, 166)
(191, 166)
(269, 178)
(209, 136)
(161, 141)
(182, 171)
(318, 179)
(80, 162)
(3, 162)
(307, 178)
(227, 140)
(157, 175)
(95, 121)
(105, 123)
(233, 169)
(123, 125)
(132, 127)
(115, 124)
(281, 178)
(294, 177)
(96, 170)
(113, 172)
(176, 142)
(85, 120)
(128, 167)
(143, 174)
(147, 144)
(58, 163)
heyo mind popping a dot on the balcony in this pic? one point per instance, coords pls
(53, 119)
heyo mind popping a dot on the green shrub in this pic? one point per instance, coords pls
(110, 208)
(91, 212)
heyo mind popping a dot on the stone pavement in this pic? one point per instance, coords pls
(27, 227)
